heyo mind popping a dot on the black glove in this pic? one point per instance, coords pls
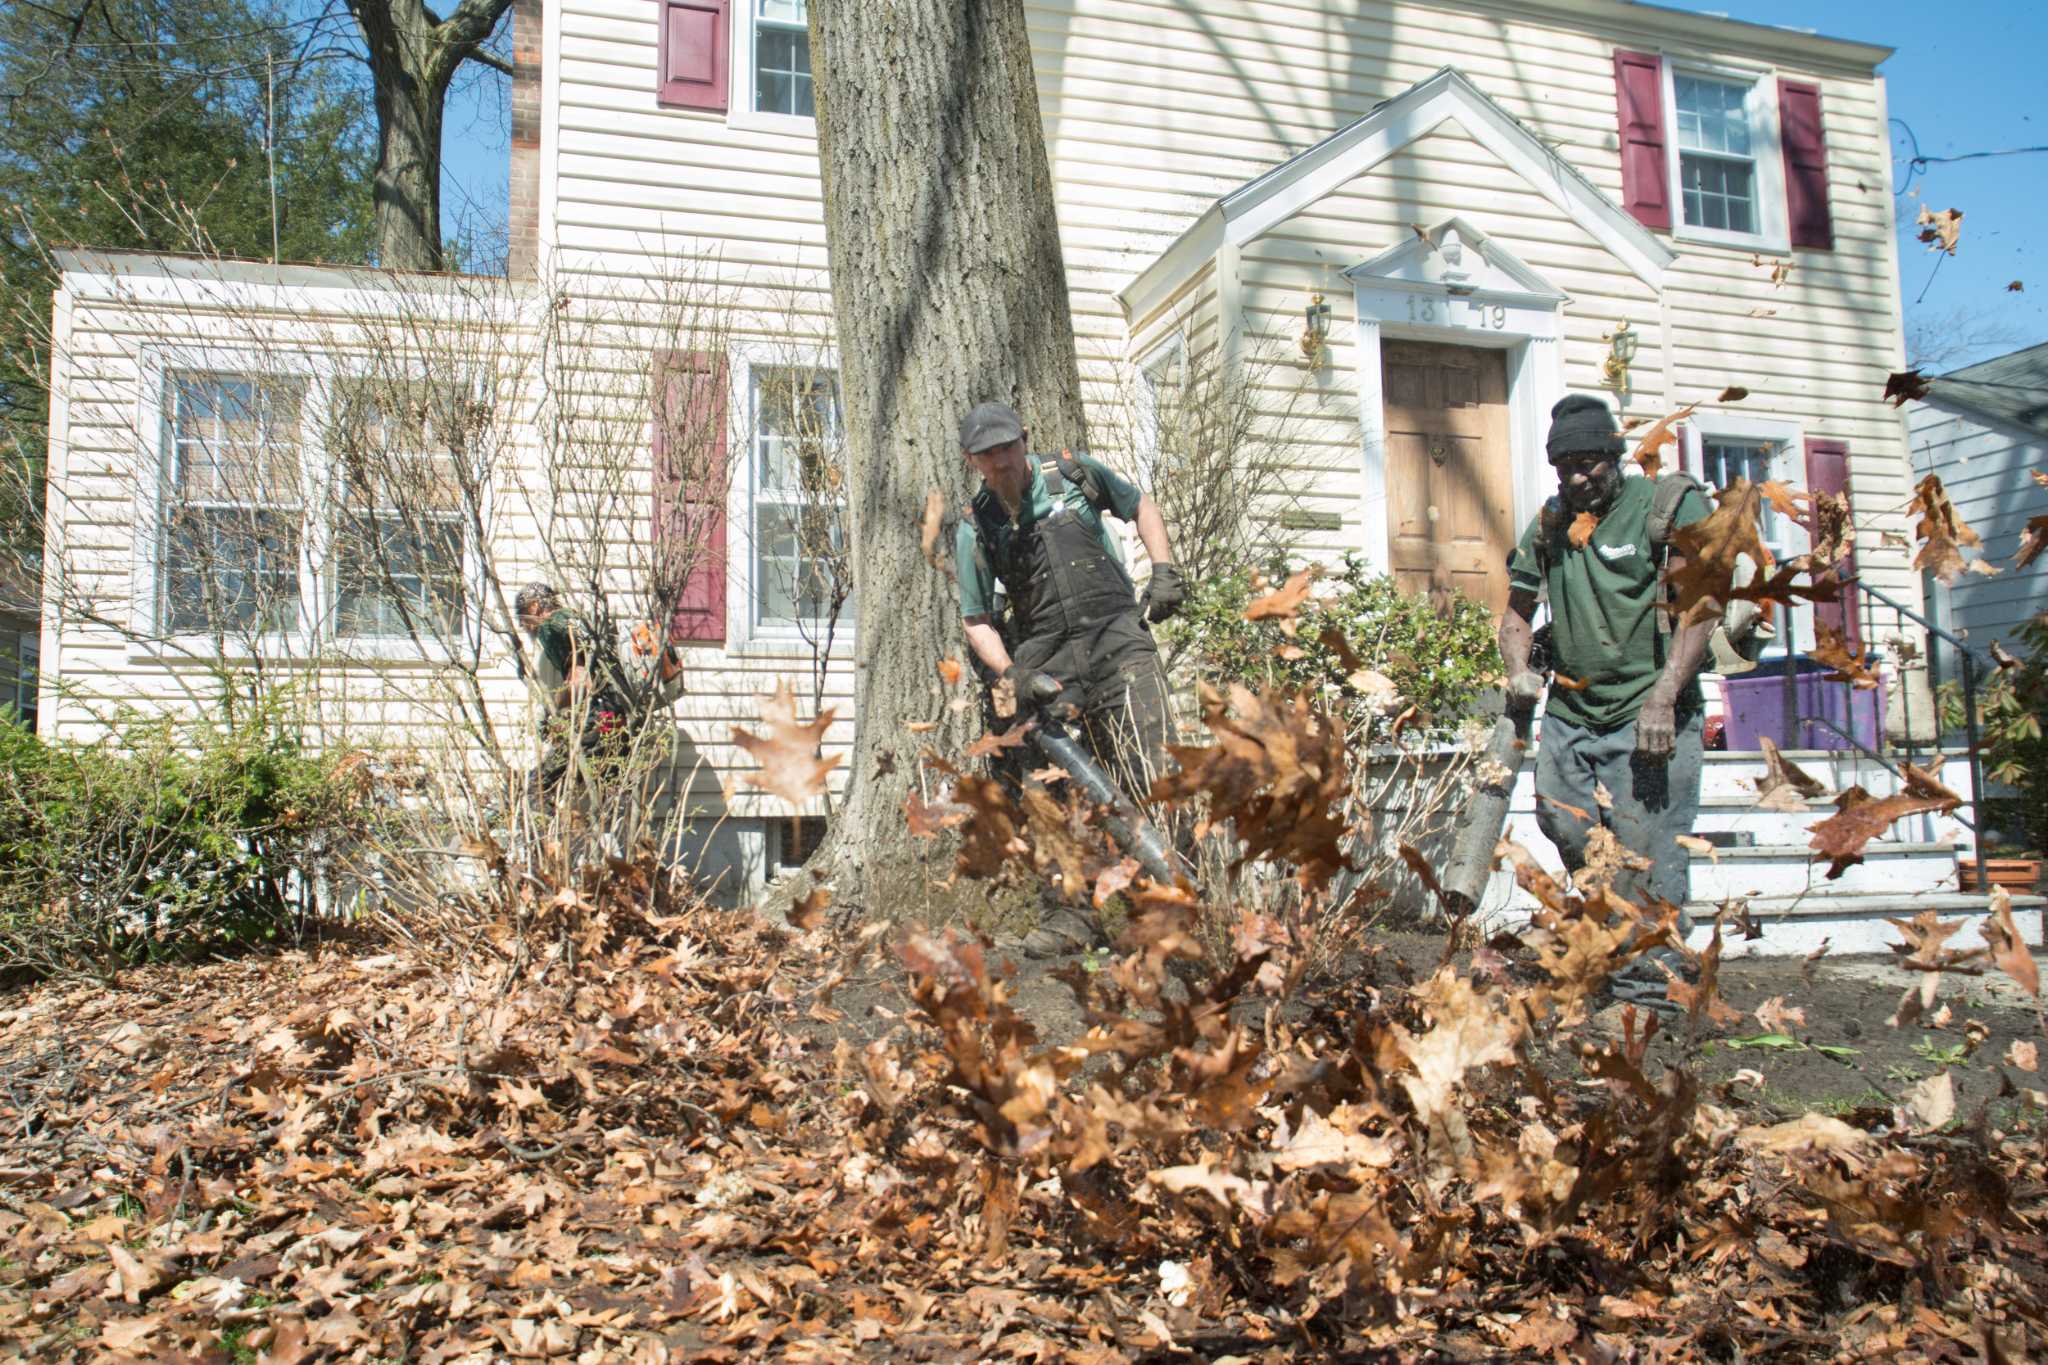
(1032, 688)
(1164, 594)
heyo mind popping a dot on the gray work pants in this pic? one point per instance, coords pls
(1653, 802)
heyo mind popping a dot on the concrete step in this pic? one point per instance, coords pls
(1893, 867)
(1798, 925)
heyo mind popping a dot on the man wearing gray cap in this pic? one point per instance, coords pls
(1077, 636)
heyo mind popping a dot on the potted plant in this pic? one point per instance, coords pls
(2015, 755)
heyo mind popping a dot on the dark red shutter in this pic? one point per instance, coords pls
(695, 58)
(1639, 98)
(1806, 166)
(1827, 471)
(692, 470)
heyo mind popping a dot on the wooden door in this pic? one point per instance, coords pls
(1450, 484)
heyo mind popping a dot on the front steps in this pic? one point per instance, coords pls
(1765, 857)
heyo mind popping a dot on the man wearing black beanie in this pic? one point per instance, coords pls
(1626, 715)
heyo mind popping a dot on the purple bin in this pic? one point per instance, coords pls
(1754, 704)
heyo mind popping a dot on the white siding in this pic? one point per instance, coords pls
(1988, 473)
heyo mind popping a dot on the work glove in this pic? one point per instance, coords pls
(1657, 727)
(1525, 688)
(1029, 689)
(1164, 593)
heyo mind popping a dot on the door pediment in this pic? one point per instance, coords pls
(1456, 258)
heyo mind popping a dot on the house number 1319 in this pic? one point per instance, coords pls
(1476, 314)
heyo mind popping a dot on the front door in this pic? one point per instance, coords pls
(1450, 483)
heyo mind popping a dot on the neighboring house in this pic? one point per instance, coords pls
(1984, 430)
(1468, 201)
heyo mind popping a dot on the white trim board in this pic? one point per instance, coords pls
(1254, 208)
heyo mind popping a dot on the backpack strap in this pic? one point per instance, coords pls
(986, 512)
(1083, 478)
(1664, 503)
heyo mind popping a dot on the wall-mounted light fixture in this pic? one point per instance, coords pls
(1621, 353)
(1315, 334)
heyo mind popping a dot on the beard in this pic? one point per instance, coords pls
(1596, 494)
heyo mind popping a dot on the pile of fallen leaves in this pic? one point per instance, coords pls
(643, 1130)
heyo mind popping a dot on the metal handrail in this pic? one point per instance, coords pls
(1968, 663)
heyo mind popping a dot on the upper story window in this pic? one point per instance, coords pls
(747, 59)
(1722, 156)
(782, 58)
(1717, 162)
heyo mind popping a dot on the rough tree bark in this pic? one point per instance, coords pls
(413, 55)
(948, 289)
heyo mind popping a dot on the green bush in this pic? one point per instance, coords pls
(163, 839)
(2013, 747)
(1438, 660)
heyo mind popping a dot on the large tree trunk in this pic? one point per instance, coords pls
(413, 56)
(949, 289)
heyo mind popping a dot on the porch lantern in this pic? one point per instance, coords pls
(1315, 334)
(1621, 353)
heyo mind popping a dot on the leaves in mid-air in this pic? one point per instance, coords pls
(1943, 534)
(1649, 452)
(1580, 533)
(788, 753)
(1840, 838)
(1941, 231)
(1903, 386)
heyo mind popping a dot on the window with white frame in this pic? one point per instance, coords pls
(797, 498)
(233, 525)
(777, 51)
(298, 508)
(398, 522)
(1726, 162)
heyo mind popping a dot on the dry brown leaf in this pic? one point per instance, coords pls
(1831, 647)
(788, 753)
(1930, 1104)
(1903, 386)
(1694, 844)
(2016, 287)
(1284, 602)
(1941, 231)
(993, 742)
(1568, 682)
(2033, 540)
(1784, 497)
(931, 524)
(1580, 533)
(1778, 1017)
(1840, 838)
(1942, 534)
(1578, 812)
(1649, 451)
(1811, 1132)
(1467, 1029)
(1734, 393)
(2022, 1054)
(808, 913)
(2008, 949)
(1713, 549)
(949, 671)
(1784, 785)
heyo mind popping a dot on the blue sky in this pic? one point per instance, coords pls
(1966, 78)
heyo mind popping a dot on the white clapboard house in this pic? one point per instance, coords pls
(1475, 206)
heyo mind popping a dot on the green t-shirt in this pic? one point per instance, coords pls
(977, 596)
(561, 639)
(1603, 612)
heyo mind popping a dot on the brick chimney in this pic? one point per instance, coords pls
(522, 257)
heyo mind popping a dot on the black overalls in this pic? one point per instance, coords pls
(1074, 617)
